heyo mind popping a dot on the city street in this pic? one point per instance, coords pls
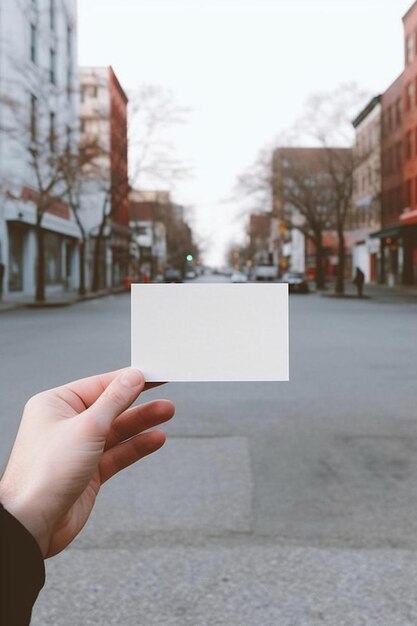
(272, 504)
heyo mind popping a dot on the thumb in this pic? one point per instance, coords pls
(115, 399)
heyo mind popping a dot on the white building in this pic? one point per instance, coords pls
(38, 122)
(365, 217)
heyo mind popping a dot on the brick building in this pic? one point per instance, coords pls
(261, 249)
(163, 239)
(398, 233)
(103, 118)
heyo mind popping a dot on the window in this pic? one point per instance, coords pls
(52, 132)
(52, 66)
(33, 118)
(52, 16)
(408, 145)
(389, 119)
(88, 91)
(16, 265)
(69, 43)
(409, 49)
(53, 259)
(409, 96)
(33, 43)
(398, 112)
(399, 150)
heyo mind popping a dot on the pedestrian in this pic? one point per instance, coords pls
(2, 269)
(359, 281)
(70, 441)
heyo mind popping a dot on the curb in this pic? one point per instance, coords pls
(5, 307)
(345, 296)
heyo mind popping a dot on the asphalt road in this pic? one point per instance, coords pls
(271, 504)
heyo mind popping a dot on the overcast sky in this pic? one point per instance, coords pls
(245, 68)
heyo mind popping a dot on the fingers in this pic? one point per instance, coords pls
(127, 453)
(90, 388)
(114, 400)
(138, 419)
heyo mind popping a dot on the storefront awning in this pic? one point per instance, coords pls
(393, 231)
(404, 230)
(408, 217)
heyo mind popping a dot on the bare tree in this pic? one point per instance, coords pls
(302, 193)
(78, 169)
(45, 144)
(327, 122)
(310, 188)
(152, 113)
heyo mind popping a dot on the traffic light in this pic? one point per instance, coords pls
(189, 257)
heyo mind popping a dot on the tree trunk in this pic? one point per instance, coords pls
(81, 289)
(320, 274)
(340, 277)
(40, 269)
(97, 254)
(97, 248)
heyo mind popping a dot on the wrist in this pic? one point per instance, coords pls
(25, 514)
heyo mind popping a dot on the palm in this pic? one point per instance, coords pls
(71, 440)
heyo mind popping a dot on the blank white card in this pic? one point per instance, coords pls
(210, 332)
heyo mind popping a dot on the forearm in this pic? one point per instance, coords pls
(22, 571)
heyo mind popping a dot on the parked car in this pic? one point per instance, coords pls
(296, 282)
(265, 272)
(238, 277)
(172, 276)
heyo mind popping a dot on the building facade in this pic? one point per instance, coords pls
(365, 214)
(103, 124)
(407, 219)
(39, 114)
(149, 233)
(398, 233)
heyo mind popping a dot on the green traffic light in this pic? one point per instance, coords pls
(189, 257)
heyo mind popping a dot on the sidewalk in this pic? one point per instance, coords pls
(56, 300)
(377, 292)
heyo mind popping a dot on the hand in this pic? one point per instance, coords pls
(70, 441)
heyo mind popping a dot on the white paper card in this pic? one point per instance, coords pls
(210, 332)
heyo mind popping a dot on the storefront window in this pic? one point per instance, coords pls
(53, 259)
(16, 239)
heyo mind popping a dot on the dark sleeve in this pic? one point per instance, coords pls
(22, 571)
